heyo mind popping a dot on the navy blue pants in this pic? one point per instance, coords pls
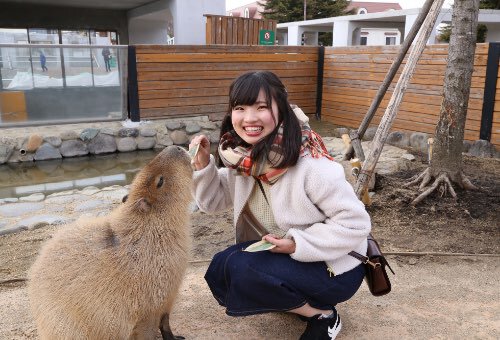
(253, 283)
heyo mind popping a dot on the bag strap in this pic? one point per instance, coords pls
(262, 190)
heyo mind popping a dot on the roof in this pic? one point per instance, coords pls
(373, 7)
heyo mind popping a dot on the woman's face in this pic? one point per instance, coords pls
(254, 122)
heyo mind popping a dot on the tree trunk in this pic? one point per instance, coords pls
(448, 141)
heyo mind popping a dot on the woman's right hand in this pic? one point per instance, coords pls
(202, 158)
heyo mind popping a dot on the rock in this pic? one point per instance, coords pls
(9, 200)
(88, 134)
(109, 131)
(467, 145)
(418, 141)
(90, 205)
(11, 229)
(179, 137)
(65, 197)
(126, 144)
(128, 132)
(482, 148)
(68, 135)
(72, 148)
(46, 151)
(174, 125)
(370, 133)
(408, 156)
(53, 140)
(399, 139)
(214, 136)
(192, 127)
(38, 197)
(18, 209)
(147, 132)
(144, 143)
(208, 125)
(163, 141)
(33, 143)
(102, 143)
(35, 222)
(5, 152)
(18, 157)
(338, 132)
(89, 191)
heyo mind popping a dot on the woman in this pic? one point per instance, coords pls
(285, 189)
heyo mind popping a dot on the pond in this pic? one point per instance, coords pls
(26, 178)
(23, 179)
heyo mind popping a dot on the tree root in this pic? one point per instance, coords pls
(441, 183)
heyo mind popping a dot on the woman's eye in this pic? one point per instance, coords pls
(262, 107)
(238, 108)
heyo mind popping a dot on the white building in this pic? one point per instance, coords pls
(382, 28)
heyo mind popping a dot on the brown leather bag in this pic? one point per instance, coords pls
(376, 275)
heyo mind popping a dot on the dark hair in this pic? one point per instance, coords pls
(245, 91)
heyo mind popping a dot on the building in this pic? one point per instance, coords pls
(381, 28)
(132, 21)
(251, 10)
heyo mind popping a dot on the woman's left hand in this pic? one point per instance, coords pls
(283, 245)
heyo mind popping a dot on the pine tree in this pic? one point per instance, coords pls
(293, 10)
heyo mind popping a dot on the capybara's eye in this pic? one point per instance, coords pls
(160, 182)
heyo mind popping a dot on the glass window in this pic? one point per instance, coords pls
(390, 40)
(363, 40)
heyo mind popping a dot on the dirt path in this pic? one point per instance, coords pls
(434, 297)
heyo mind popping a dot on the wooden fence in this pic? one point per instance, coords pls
(228, 30)
(352, 76)
(179, 80)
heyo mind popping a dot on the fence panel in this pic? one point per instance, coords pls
(353, 75)
(227, 30)
(191, 80)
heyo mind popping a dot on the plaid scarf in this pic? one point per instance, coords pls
(238, 157)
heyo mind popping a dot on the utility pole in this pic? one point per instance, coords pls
(305, 10)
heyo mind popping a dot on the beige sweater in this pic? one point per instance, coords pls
(311, 203)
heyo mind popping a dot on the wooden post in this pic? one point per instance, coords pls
(387, 81)
(396, 99)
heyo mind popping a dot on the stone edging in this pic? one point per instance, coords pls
(72, 140)
(417, 142)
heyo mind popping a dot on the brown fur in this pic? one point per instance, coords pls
(116, 277)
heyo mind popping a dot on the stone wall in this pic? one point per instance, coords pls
(71, 140)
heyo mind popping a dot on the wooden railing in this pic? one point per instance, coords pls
(191, 80)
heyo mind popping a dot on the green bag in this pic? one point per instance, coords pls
(112, 62)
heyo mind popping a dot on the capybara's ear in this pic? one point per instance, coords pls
(125, 198)
(143, 205)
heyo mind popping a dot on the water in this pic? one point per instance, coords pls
(23, 179)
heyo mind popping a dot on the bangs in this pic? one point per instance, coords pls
(245, 90)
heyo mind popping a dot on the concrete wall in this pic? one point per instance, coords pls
(189, 22)
(37, 16)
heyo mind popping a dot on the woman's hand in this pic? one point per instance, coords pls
(202, 158)
(283, 245)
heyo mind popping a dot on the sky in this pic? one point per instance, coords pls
(230, 4)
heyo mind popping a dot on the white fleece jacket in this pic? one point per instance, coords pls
(312, 202)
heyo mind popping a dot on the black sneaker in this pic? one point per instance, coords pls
(319, 328)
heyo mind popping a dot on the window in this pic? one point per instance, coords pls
(390, 40)
(363, 41)
(247, 13)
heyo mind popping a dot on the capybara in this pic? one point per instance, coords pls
(116, 276)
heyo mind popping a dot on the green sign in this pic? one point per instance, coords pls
(266, 37)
